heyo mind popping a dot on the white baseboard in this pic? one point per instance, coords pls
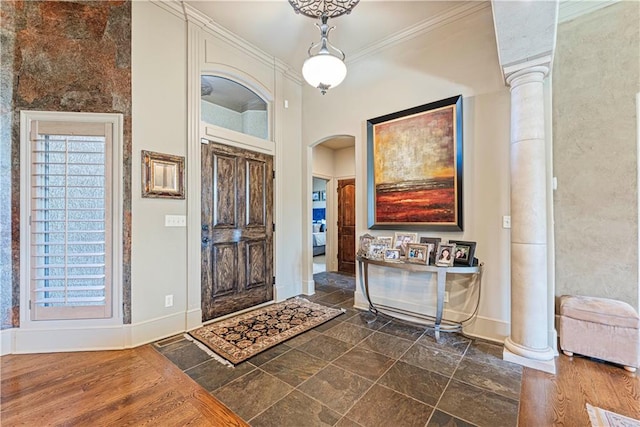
(193, 318)
(6, 341)
(308, 287)
(112, 337)
(153, 330)
(548, 366)
(482, 327)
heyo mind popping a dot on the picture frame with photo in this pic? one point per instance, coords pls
(418, 253)
(433, 242)
(464, 252)
(377, 251)
(365, 242)
(392, 255)
(444, 257)
(387, 240)
(401, 239)
(162, 175)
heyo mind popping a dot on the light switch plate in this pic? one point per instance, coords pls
(506, 221)
(175, 220)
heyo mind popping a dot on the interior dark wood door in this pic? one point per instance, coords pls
(347, 226)
(237, 229)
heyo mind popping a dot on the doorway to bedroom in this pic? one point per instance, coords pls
(319, 224)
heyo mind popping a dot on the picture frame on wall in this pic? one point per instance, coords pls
(315, 196)
(414, 167)
(464, 252)
(162, 175)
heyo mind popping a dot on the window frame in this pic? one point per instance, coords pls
(114, 179)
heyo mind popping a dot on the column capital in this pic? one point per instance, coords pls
(534, 74)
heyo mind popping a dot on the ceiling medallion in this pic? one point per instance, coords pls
(324, 68)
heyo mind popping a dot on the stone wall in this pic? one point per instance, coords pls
(61, 56)
(596, 77)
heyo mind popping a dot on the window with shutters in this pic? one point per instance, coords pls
(71, 208)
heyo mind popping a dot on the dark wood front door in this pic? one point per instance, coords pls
(347, 226)
(237, 229)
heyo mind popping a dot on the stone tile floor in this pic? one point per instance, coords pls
(349, 372)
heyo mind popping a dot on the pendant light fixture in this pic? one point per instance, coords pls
(324, 68)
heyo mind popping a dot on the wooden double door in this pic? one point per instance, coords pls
(237, 229)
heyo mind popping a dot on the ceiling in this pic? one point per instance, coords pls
(273, 26)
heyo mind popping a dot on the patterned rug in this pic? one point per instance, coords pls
(602, 418)
(240, 337)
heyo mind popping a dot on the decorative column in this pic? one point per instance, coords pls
(528, 342)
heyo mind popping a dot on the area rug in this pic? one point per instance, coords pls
(602, 418)
(240, 337)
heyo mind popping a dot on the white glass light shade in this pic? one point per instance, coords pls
(325, 69)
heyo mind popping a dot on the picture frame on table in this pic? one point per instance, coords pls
(444, 257)
(464, 252)
(392, 255)
(386, 240)
(377, 251)
(418, 253)
(402, 239)
(365, 242)
(433, 242)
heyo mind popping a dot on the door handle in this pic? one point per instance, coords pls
(205, 240)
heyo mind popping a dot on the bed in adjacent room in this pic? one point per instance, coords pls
(319, 239)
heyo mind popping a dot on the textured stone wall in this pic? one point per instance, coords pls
(64, 56)
(596, 77)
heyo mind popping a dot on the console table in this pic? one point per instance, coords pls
(450, 326)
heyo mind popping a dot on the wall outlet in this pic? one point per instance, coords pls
(168, 300)
(175, 220)
(446, 296)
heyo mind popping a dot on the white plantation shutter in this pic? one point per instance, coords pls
(70, 220)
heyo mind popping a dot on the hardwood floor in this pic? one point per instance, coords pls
(126, 387)
(560, 400)
(140, 386)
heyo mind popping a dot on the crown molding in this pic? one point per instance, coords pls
(438, 21)
(189, 14)
(173, 7)
(572, 9)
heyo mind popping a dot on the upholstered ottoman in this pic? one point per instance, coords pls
(602, 328)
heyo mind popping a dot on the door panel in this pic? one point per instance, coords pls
(256, 193)
(225, 277)
(225, 168)
(256, 263)
(237, 231)
(347, 226)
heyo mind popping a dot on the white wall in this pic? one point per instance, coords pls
(323, 162)
(344, 161)
(158, 253)
(460, 58)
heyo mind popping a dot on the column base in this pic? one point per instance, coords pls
(542, 360)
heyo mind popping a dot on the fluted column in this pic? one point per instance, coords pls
(529, 300)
